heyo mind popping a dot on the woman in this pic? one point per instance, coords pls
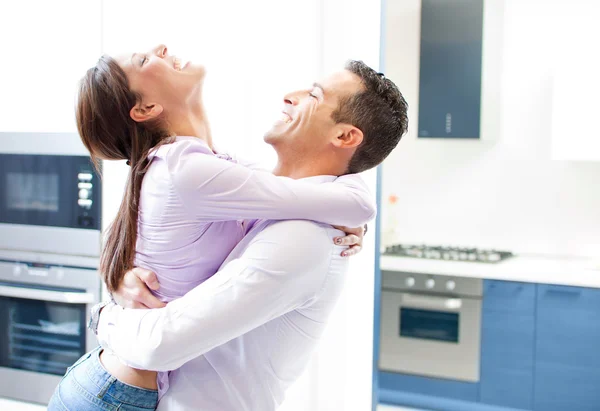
(182, 205)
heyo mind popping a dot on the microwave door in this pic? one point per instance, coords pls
(50, 203)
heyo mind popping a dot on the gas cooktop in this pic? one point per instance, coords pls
(474, 255)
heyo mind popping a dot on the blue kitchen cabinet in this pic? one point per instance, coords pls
(567, 365)
(507, 344)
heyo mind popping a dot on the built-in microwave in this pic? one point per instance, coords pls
(50, 197)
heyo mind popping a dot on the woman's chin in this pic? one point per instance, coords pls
(196, 70)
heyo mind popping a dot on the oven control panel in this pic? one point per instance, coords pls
(87, 215)
(432, 284)
(85, 186)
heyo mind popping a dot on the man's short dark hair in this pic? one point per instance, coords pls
(379, 111)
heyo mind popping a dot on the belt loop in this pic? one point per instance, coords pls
(106, 386)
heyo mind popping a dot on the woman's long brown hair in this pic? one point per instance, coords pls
(109, 133)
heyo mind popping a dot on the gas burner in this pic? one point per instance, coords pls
(447, 253)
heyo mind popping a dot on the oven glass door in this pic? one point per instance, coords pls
(429, 325)
(40, 335)
(49, 190)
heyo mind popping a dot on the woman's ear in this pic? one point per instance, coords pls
(143, 112)
(348, 136)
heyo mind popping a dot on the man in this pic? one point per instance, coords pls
(240, 339)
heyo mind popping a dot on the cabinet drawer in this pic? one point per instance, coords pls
(560, 297)
(561, 388)
(508, 296)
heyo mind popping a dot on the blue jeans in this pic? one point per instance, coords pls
(87, 386)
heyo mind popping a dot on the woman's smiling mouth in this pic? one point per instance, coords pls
(285, 117)
(177, 64)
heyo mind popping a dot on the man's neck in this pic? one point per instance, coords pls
(308, 168)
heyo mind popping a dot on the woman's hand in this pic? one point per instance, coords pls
(353, 239)
(134, 290)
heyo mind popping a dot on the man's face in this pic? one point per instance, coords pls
(305, 124)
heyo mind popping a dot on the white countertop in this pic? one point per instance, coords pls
(11, 405)
(573, 271)
(383, 407)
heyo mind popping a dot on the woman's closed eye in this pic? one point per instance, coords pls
(143, 60)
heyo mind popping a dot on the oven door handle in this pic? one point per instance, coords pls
(426, 301)
(46, 295)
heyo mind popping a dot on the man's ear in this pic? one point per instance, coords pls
(143, 112)
(348, 136)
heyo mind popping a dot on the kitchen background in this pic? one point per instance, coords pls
(528, 184)
(515, 188)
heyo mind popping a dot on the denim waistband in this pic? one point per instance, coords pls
(106, 384)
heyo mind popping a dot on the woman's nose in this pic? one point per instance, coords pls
(291, 98)
(161, 51)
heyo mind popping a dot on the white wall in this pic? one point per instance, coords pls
(506, 191)
(46, 48)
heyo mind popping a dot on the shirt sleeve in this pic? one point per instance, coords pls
(214, 189)
(276, 274)
(249, 163)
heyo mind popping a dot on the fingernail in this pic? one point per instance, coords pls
(344, 254)
(338, 241)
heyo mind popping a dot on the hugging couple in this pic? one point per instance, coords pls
(222, 275)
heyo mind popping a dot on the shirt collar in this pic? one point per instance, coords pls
(319, 179)
(154, 151)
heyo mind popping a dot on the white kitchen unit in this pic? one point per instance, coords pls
(575, 86)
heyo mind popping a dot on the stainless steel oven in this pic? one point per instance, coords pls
(50, 195)
(44, 309)
(430, 325)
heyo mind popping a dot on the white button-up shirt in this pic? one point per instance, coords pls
(240, 339)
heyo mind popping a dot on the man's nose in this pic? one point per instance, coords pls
(161, 51)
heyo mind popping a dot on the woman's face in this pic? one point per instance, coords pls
(163, 79)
